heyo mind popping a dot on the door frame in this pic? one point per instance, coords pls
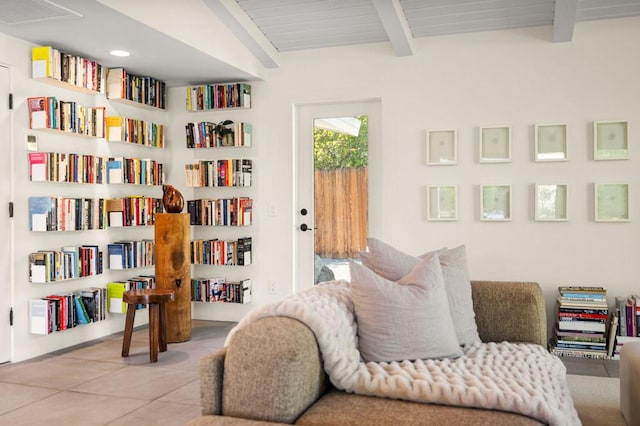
(303, 116)
(7, 278)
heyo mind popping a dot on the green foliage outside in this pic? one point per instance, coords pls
(333, 150)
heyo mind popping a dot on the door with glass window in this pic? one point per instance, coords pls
(337, 145)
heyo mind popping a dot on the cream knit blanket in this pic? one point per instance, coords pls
(519, 378)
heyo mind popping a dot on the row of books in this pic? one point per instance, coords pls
(66, 214)
(47, 62)
(221, 212)
(131, 130)
(65, 264)
(221, 252)
(116, 290)
(66, 116)
(218, 96)
(236, 172)
(141, 89)
(628, 309)
(78, 168)
(66, 167)
(582, 328)
(133, 210)
(131, 254)
(206, 134)
(135, 171)
(219, 290)
(59, 312)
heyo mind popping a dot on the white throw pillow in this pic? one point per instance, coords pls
(406, 320)
(393, 264)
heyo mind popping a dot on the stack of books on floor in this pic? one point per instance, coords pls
(581, 329)
(627, 318)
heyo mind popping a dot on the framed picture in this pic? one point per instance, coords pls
(495, 202)
(550, 142)
(442, 147)
(495, 144)
(610, 140)
(551, 202)
(611, 202)
(443, 202)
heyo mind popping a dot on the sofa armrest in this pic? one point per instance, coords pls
(273, 371)
(211, 375)
(511, 311)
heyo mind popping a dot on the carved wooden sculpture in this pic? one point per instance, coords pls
(172, 199)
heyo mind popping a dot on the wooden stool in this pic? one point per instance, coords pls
(156, 299)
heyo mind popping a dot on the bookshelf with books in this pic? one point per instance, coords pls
(207, 134)
(66, 70)
(120, 223)
(51, 114)
(67, 310)
(220, 290)
(134, 131)
(222, 206)
(207, 97)
(131, 89)
(582, 329)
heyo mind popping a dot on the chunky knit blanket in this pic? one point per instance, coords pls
(519, 378)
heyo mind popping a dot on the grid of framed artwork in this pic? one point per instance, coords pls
(550, 200)
(610, 142)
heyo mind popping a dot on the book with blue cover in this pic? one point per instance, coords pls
(41, 213)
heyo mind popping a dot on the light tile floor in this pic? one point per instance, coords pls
(91, 384)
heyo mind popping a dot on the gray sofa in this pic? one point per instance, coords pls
(271, 371)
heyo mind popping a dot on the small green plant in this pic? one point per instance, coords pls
(224, 133)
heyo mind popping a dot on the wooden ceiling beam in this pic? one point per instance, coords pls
(395, 25)
(564, 20)
(246, 31)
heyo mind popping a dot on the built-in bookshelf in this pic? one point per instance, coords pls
(219, 173)
(131, 254)
(67, 70)
(134, 131)
(110, 207)
(49, 113)
(86, 168)
(217, 251)
(63, 311)
(132, 89)
(208, 97)
(582, 329)
(116, 289)
(135, 171)
(68, 263)
(49, 214)
(220, 290)
(207, 134)
(132, 211)
(221, 252)
(237, 211)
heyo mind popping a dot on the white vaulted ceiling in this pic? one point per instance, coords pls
(167, 47)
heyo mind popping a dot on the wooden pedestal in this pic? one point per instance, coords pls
(173, 271)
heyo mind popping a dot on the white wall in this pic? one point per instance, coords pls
(515, 78)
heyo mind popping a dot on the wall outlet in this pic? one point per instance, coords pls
(273, 286)
(273, 209)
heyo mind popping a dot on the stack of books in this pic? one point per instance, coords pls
(581, 329)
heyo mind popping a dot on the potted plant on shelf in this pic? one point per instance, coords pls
(224, 133)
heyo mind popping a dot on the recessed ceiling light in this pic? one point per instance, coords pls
(120, 53)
